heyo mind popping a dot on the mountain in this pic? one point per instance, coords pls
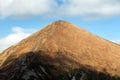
(61, 51)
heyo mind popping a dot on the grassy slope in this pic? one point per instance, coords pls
(74, 43)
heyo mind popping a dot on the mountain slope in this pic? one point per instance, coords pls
(61, 51)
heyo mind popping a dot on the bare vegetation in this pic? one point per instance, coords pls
(63, 48)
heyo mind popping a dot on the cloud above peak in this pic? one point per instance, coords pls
(91, 9)
(25, 7)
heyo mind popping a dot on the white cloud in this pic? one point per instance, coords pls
(88, 9)
(117, 41)
(25, 7)
(17, 35)
(92, 9)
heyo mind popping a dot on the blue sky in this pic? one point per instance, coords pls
(20, 18)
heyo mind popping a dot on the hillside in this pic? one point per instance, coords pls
(61, 51)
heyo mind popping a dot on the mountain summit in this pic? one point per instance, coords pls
(61, 51)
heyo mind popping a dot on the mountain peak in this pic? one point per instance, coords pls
(61, 22)
(61, 51)
(61, 25)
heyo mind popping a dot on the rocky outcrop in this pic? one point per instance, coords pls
(33, 66)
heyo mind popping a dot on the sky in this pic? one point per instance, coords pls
(21, 18)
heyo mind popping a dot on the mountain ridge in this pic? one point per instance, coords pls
(64, 47)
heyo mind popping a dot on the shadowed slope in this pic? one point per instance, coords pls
(60, 49)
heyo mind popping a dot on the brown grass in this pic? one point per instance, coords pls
(75, 43)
